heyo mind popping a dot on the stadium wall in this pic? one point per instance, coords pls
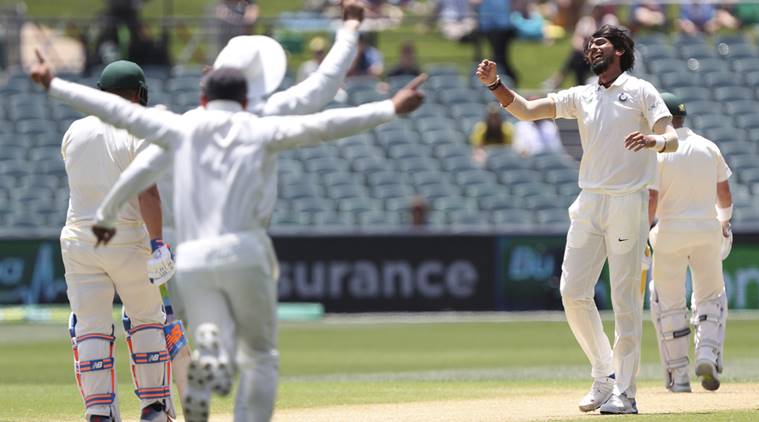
(392, 273)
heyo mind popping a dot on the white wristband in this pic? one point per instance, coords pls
(724, 214)
(660, 143)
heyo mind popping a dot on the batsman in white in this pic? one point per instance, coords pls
(224, 194)
(623, 122)
(693, 203)
(95, 153)
(263, 62)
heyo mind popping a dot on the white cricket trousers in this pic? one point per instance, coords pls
(674, 252)
(612, 227)
(230, 282)
(93, 275)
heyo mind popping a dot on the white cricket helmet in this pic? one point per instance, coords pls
(260, 58)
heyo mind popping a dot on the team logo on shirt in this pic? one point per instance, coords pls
(623, 97)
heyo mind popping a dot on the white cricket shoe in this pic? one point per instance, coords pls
(599, 392)
(619, 404)
(209, 371)
(707, 371)
(680, 381)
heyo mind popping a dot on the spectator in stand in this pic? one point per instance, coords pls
(537, 137)
(407, 63)
(493, 131)
(369, 61)
(455, 19)
(648, 15)
(598, 15)
(233, 18)
(146, 50)
(318, 48)
(495, 24)
(527, 20)
(418, 210)
(747, 14)
(698, 17)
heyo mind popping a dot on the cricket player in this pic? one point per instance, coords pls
(95, 153)
(623, 123)
(248, 53)
(693, 203)
(224, 194)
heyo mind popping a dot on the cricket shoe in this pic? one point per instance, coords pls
(208, 372)
(680, 381)
(155, 412)
(619, 404)
(707, 371)
(599, 392)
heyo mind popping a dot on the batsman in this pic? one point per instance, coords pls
(95, 154)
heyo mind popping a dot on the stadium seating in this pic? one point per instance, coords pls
(368, 181)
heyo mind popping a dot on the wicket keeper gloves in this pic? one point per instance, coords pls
(161, 264)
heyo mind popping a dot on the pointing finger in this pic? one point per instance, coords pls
(40, 57)
(416, 82)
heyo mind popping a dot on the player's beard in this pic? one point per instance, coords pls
(599, 66)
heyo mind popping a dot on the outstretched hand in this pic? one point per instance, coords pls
(487, 72)
(408, 98)
(353, 10)
(41, 73)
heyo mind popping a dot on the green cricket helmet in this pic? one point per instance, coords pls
(123, 74)
(674, 104)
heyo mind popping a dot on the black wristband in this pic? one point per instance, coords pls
(495, 84)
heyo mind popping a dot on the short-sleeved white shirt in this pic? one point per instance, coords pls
(687, 179)
(95, 154)
(605, 116)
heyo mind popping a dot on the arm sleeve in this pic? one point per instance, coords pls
(653, 105)
(566, 103)
(154, 125)
(723, 170)
(286, 132)
(320, 87)
(144, 171)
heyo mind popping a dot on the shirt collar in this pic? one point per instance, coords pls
(224, 105)
(622, 78)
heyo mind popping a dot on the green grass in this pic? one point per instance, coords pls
(326, 364)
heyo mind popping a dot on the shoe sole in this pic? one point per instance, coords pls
(680, 389)
(592, 407)
(707, 372)
(196, 402)
(607, 412)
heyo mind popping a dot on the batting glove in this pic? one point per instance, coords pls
(161, 264)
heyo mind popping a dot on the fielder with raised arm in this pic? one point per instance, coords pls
(249, 54)
(95, 153)
(692, 201)
(623, 123)
(224, 194)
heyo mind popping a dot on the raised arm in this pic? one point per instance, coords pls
(144, 171)
(156, 126)
(292, 132)
(518, 106)
(320, 87)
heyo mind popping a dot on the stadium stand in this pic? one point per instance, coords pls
(367, 181)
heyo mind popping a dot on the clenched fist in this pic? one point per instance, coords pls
(487, 72)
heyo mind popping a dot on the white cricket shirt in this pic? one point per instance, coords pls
(687, 183)
(605, 116)
(95, 153)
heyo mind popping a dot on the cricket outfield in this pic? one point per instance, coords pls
(494, 367)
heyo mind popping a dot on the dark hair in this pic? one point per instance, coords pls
(620, 39)
(225, 83)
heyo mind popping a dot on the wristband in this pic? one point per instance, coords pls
(724, 214)
(495, 84)
(661, 143)
(155, 244)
